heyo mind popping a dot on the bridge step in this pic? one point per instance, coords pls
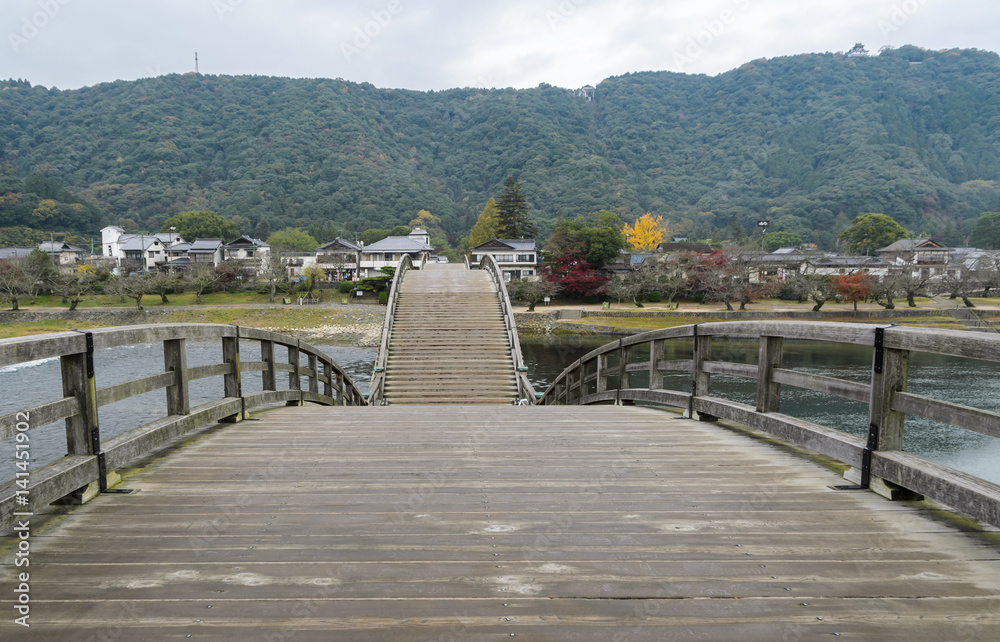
(449, 343)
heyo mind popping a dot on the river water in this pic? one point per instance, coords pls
(960, 381)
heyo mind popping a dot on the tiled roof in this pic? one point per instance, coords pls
(397, 244)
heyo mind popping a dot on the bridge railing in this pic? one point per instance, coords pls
(88, 467)
(606, 374)
(376, 389)
(525, 391)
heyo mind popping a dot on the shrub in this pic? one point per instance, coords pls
(654, 297)
(383, 297)
(346, 286)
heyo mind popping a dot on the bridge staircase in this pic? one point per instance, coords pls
(449, 343)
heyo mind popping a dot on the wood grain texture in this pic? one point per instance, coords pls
(461, 522)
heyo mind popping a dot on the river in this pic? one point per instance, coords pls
(956, 380)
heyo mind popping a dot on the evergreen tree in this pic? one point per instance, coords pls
(512, 213)
(263, 229)
(486, 225)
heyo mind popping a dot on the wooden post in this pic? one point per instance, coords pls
(602, 373)
(624, 358)
(701, 380)
(294, 377)
(341, 387)
(328, 374)
(269, 375)
(313, 373)
(175, 360)
(769, 392)
(83, 435)
(890, 370)
(232, 383)
(655, 357)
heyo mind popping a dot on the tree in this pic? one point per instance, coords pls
(597, 238)
(531, 291)
(853, 287)
(136, 286)
(512, 213)
(162, 283)
(273, 271)
(12, 280)
(486, 225)
(646, 234)
(815, 287)
(986, 232)
(72, 286)
(871, 232)
(575, 278)
(201, 224)
(776, 240)
(202, 279)
(38, 272)
(292, 239)
(263, 229)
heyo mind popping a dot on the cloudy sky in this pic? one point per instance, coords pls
(438, 44)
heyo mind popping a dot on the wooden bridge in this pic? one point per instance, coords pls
(452, 522)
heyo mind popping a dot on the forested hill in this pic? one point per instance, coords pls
(807, 141)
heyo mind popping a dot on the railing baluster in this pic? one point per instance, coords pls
(175, 360)
(769, 392)
(294, 377)
(655, 356)
(269, 379)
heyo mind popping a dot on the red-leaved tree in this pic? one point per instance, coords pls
(575, 278)
(853, 287)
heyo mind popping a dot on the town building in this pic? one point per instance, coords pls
(339, 259)
(517, 258)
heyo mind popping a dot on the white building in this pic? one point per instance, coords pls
(517, 258)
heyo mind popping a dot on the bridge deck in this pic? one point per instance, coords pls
(427, 522)
(449, 343)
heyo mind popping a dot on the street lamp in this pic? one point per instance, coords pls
(763, 230)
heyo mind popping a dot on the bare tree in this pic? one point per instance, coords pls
(136, 286)
(72, 287)
(531, 291)
(274, 271)
(12, 281)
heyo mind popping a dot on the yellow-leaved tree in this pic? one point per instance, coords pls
(486, 226)
(646, 233)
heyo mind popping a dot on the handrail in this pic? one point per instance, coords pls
(376, 389)
(525, 391)
(877, 459)
(467, 265)
(88, 467)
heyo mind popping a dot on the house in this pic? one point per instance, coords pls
(63, 254)
(206, 252)
(297, 263)
(915, 252)
(837, 265)
(7, 253)
(339, 259)
(517, 258)
(118, 246)
(391, 249)
(246, 249)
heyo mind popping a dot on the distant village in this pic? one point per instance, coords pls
(935, 267)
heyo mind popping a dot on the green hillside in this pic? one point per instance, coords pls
(807, 141)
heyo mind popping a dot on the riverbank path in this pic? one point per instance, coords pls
(449, 343)
(498, 522)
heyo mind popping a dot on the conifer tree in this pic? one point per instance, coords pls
(512, 212)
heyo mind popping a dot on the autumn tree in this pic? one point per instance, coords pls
(513, 221)
(871, 232)
(646, 233)
(597, 238)
(575, 277)
(853, 287)
(486, 225)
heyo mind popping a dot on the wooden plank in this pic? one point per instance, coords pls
(140, 386)
(40, 415)
(730, 369)
(981, 421)
(213, 370)
(828, 385)
(426, 522)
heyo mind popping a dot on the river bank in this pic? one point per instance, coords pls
(361, 325)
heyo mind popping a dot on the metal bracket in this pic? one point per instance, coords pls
(866, 456)
(89, 339)
(879, 362)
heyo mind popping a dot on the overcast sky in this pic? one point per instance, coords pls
(439, 44)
